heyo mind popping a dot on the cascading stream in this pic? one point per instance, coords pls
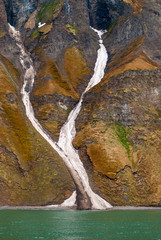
(68, 132)
(86, 198)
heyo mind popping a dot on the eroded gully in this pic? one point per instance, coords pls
(84, 197)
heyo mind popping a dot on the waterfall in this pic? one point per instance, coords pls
(68, 132)
(86, 198)
(67, 8)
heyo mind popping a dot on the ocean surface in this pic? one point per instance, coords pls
(77, 225)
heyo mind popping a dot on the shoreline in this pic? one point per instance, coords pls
(116, 208)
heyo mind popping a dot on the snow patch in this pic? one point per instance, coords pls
(71, 201)
(63, 106)
(41, 24)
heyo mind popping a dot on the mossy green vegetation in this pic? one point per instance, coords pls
(12, 71)
(73, 29)
(122, 134)
(111, 26)
(35, 34)
(40, 32)
(104, 149)
(159, 112)
(67, 111)
(31, 172)
(48, 10)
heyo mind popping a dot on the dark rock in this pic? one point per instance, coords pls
(27, 64)
(103, 13)
(18, 11)
(11, 98)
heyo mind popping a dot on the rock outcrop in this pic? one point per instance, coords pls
(122, 113)
(119, 126)
(31, 173)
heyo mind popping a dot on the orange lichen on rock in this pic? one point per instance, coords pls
(2, 33)
(135, 4)
(75, 65)
(55, 82)
(102, 161)
(13, 134)
(107, 153)
(27, 169)
(141, 62)
(11, 71)
(31, 21)
(75, 69)
(132, 58)
(46, 28)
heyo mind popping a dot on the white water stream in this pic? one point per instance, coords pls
(64, 146)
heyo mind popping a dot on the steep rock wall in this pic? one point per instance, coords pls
(123, 155)
(31, 173)
(118, 128)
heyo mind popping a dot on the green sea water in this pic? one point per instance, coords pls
(77, 225)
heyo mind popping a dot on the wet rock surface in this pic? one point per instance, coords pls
(104, 14)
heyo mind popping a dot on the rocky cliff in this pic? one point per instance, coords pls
(119, 126)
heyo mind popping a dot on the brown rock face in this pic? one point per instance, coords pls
(31, 173)
(119, 126)
(118, 149)
(122, 113)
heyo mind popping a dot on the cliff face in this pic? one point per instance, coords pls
(122, 113)
(31, 172)
(118, 128)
